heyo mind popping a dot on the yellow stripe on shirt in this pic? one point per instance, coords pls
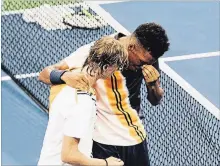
(117, 95)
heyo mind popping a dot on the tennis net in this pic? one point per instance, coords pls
(35, 34)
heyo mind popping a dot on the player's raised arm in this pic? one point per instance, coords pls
(151, 76)
(59, 73)
(44, 75)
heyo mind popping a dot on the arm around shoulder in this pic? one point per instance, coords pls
(44, 75)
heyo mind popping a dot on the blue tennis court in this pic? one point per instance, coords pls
(193, 29)
(23, 126)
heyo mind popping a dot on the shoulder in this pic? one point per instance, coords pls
(78, 57)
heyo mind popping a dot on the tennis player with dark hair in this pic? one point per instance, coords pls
(119, 131)
(68, 137)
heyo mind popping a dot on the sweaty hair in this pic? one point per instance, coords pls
(153, 38)
(106, 51)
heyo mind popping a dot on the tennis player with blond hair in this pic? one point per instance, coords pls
(68, 138)
(119, 132)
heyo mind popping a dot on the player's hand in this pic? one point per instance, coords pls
(112, 161)
(151, 74)
(76, 80)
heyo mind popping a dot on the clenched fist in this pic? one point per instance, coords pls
(151, 74)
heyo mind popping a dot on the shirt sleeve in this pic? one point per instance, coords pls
(77, 58)
(78, 121)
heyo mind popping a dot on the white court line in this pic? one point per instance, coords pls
(106, 16)
(185, 85)
(19, 76)
(163, 66)
(189, 89)
(191, 56)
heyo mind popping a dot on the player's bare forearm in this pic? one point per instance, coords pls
(44, 75)
(151, 76)
(155, 93)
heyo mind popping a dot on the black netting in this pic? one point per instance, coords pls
(29, 47)
(181, 132)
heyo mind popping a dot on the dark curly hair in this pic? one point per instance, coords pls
(153, 38)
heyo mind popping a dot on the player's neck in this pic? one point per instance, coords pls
(92, 77)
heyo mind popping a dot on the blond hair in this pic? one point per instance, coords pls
(106, 51)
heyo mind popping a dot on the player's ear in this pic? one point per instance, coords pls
(105, 67)
(131, 47)
(111, 68)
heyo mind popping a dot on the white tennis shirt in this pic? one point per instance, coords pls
(68, 116)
